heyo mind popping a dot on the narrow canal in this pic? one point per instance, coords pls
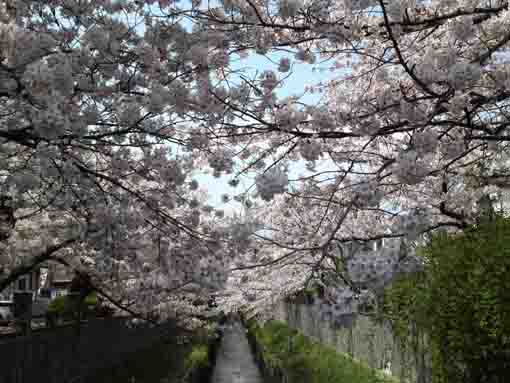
(164, 363)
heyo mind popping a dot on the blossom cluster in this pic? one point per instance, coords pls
(272, 182)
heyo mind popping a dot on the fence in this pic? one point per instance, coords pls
(69, 354)
(370, 341)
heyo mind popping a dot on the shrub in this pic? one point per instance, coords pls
(60, 306)
(198, 365)
(198, 357)
(91, 300)
(462, 301)
(64, 307)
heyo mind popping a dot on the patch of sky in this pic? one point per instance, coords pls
(304, 81)
(299, 83)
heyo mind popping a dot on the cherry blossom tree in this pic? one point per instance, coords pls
(102, 125)
(412, 129)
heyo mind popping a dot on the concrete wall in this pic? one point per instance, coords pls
(65, 355)
(369, 341)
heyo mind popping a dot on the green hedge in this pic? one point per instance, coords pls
(59, 306)
(284, 352)
(198, 358)
(462, 302)
(64, 307)
(199, 362)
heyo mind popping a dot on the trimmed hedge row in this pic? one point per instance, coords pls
(285, 355)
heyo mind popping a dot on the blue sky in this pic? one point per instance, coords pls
(297, 80)
(301, 76)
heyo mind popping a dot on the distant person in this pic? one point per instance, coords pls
(222, 324)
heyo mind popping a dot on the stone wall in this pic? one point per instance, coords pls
(369, 341)
(67, 354)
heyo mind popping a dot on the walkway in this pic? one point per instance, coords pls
(235, 363)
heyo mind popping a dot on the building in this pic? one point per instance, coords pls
(57, 282)
(26, 283)
(45, 284)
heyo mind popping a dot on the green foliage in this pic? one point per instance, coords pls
(57, 305)
(91, 299)
(462, 302)
(304, 360)
(198, 357)
(64, 306)
(60, 306)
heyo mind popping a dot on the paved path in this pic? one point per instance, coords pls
(235, 363)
